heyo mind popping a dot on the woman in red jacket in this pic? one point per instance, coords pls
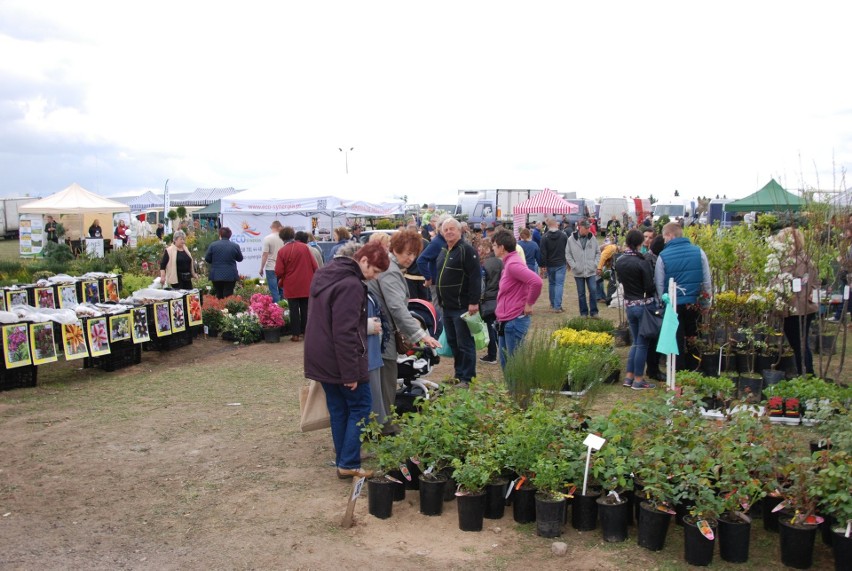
(295, 267)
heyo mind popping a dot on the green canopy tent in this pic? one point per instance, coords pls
(212, 210)
(770, 198)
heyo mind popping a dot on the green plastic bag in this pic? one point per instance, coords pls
(445, 350)
(478, 328)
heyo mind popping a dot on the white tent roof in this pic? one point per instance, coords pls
(73, 200)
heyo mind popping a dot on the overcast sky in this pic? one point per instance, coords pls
(602, 98)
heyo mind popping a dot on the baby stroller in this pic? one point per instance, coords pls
(420, 362)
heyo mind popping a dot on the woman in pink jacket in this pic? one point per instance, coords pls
(519, 290)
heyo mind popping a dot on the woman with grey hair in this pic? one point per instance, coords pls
(177, 268)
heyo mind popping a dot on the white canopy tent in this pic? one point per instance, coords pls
(76, 208)
(249, 214)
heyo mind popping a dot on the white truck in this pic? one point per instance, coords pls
(9, 215)
(490, 205)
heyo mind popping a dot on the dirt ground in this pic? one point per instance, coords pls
(193, 460)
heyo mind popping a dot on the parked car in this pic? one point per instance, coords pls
(365, 235)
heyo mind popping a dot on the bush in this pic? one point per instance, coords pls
(131, 283)
(589, 324)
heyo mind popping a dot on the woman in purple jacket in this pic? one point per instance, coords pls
(336, 348)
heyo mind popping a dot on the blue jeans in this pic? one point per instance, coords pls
(590, 283)
(272, 281)
(462, 344)
(347, 408)
(555, 285)
(492, 336)
(514, 332)
(639, 350)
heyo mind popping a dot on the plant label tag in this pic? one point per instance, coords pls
(415, 460)
(815, 296)
(404, 469)
(357, 490)
(797, 285)
(845, 292)
(572, 490)
(614, 493)
(520, 483)
(429, 470)
(780, 506)
(848, 528)
(814, 520)
(594, 441)
(205, 330)
(743, 516)
(392, 479)
(666, 509)
(511, 488)
(705, 529)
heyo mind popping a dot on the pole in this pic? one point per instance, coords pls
(586, 474)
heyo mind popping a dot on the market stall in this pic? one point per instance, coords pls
(76, 209)
(545, 202)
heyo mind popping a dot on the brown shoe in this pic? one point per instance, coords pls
(295, 338)
(345, 474)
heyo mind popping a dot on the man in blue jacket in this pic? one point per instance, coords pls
(426, 262)
(459, 284)
(687, 265)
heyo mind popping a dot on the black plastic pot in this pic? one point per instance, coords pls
(697, 549)
(523, 505)
(750, 387)
(380, 497)
(450, 490)
(825, 530)
(471, 510)
(272, 335)
(682, 510)
(432, 494)
(734, 539)
(495, 499)
(817, 445)
(742, 362)
(762, 362)
(842, 548)
(653, 527)
(584, 511)
(398, 489)
(772, 377)
(788, 365)
(614, 519)
(414, 471)
(549, 515)
(630, 496)
(770, 519)
(797, 544)
(710, 364)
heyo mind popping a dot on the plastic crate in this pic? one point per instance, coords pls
(18, 378)
(122, 354)
(169, 342)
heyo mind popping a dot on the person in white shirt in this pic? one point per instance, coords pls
(271, 244)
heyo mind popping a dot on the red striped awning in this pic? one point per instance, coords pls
(545, 202)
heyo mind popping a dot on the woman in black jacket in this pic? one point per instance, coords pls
(636, 276)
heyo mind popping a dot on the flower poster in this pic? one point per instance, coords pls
(74, 341)
(98, 336)
(16, 297)
(43, 343)
(119, 327)
(44, 297)
(193, 300)
(67, 296)
(16, 345)
(111, 289)
(2, 303)
(162, 320)
(178, 315)
(91, 292)
(140, 325)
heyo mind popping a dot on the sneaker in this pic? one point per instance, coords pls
(628, 383)
(642, 385)
(558, 310)
(490, 361)
(832, 318)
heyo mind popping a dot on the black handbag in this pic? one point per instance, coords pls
(652, 320)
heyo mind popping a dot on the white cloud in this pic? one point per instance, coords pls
(603, 98)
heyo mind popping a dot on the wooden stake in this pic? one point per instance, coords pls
(357, 484)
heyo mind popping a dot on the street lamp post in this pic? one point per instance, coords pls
(346, 154)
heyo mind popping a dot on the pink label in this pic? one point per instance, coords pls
(705, 529)
(404, 469)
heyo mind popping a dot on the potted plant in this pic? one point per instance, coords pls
(539, 364)
(612, 467)
(211, 315)
(745, 460)
(270, 316)
(472, 475)
(550, 474)
(798, 521)
(831, 485)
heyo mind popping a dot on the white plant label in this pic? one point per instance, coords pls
(594, 441)
(845, 292)
(511, 487)
(392, 479)
(797, 285)
(358, 485)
